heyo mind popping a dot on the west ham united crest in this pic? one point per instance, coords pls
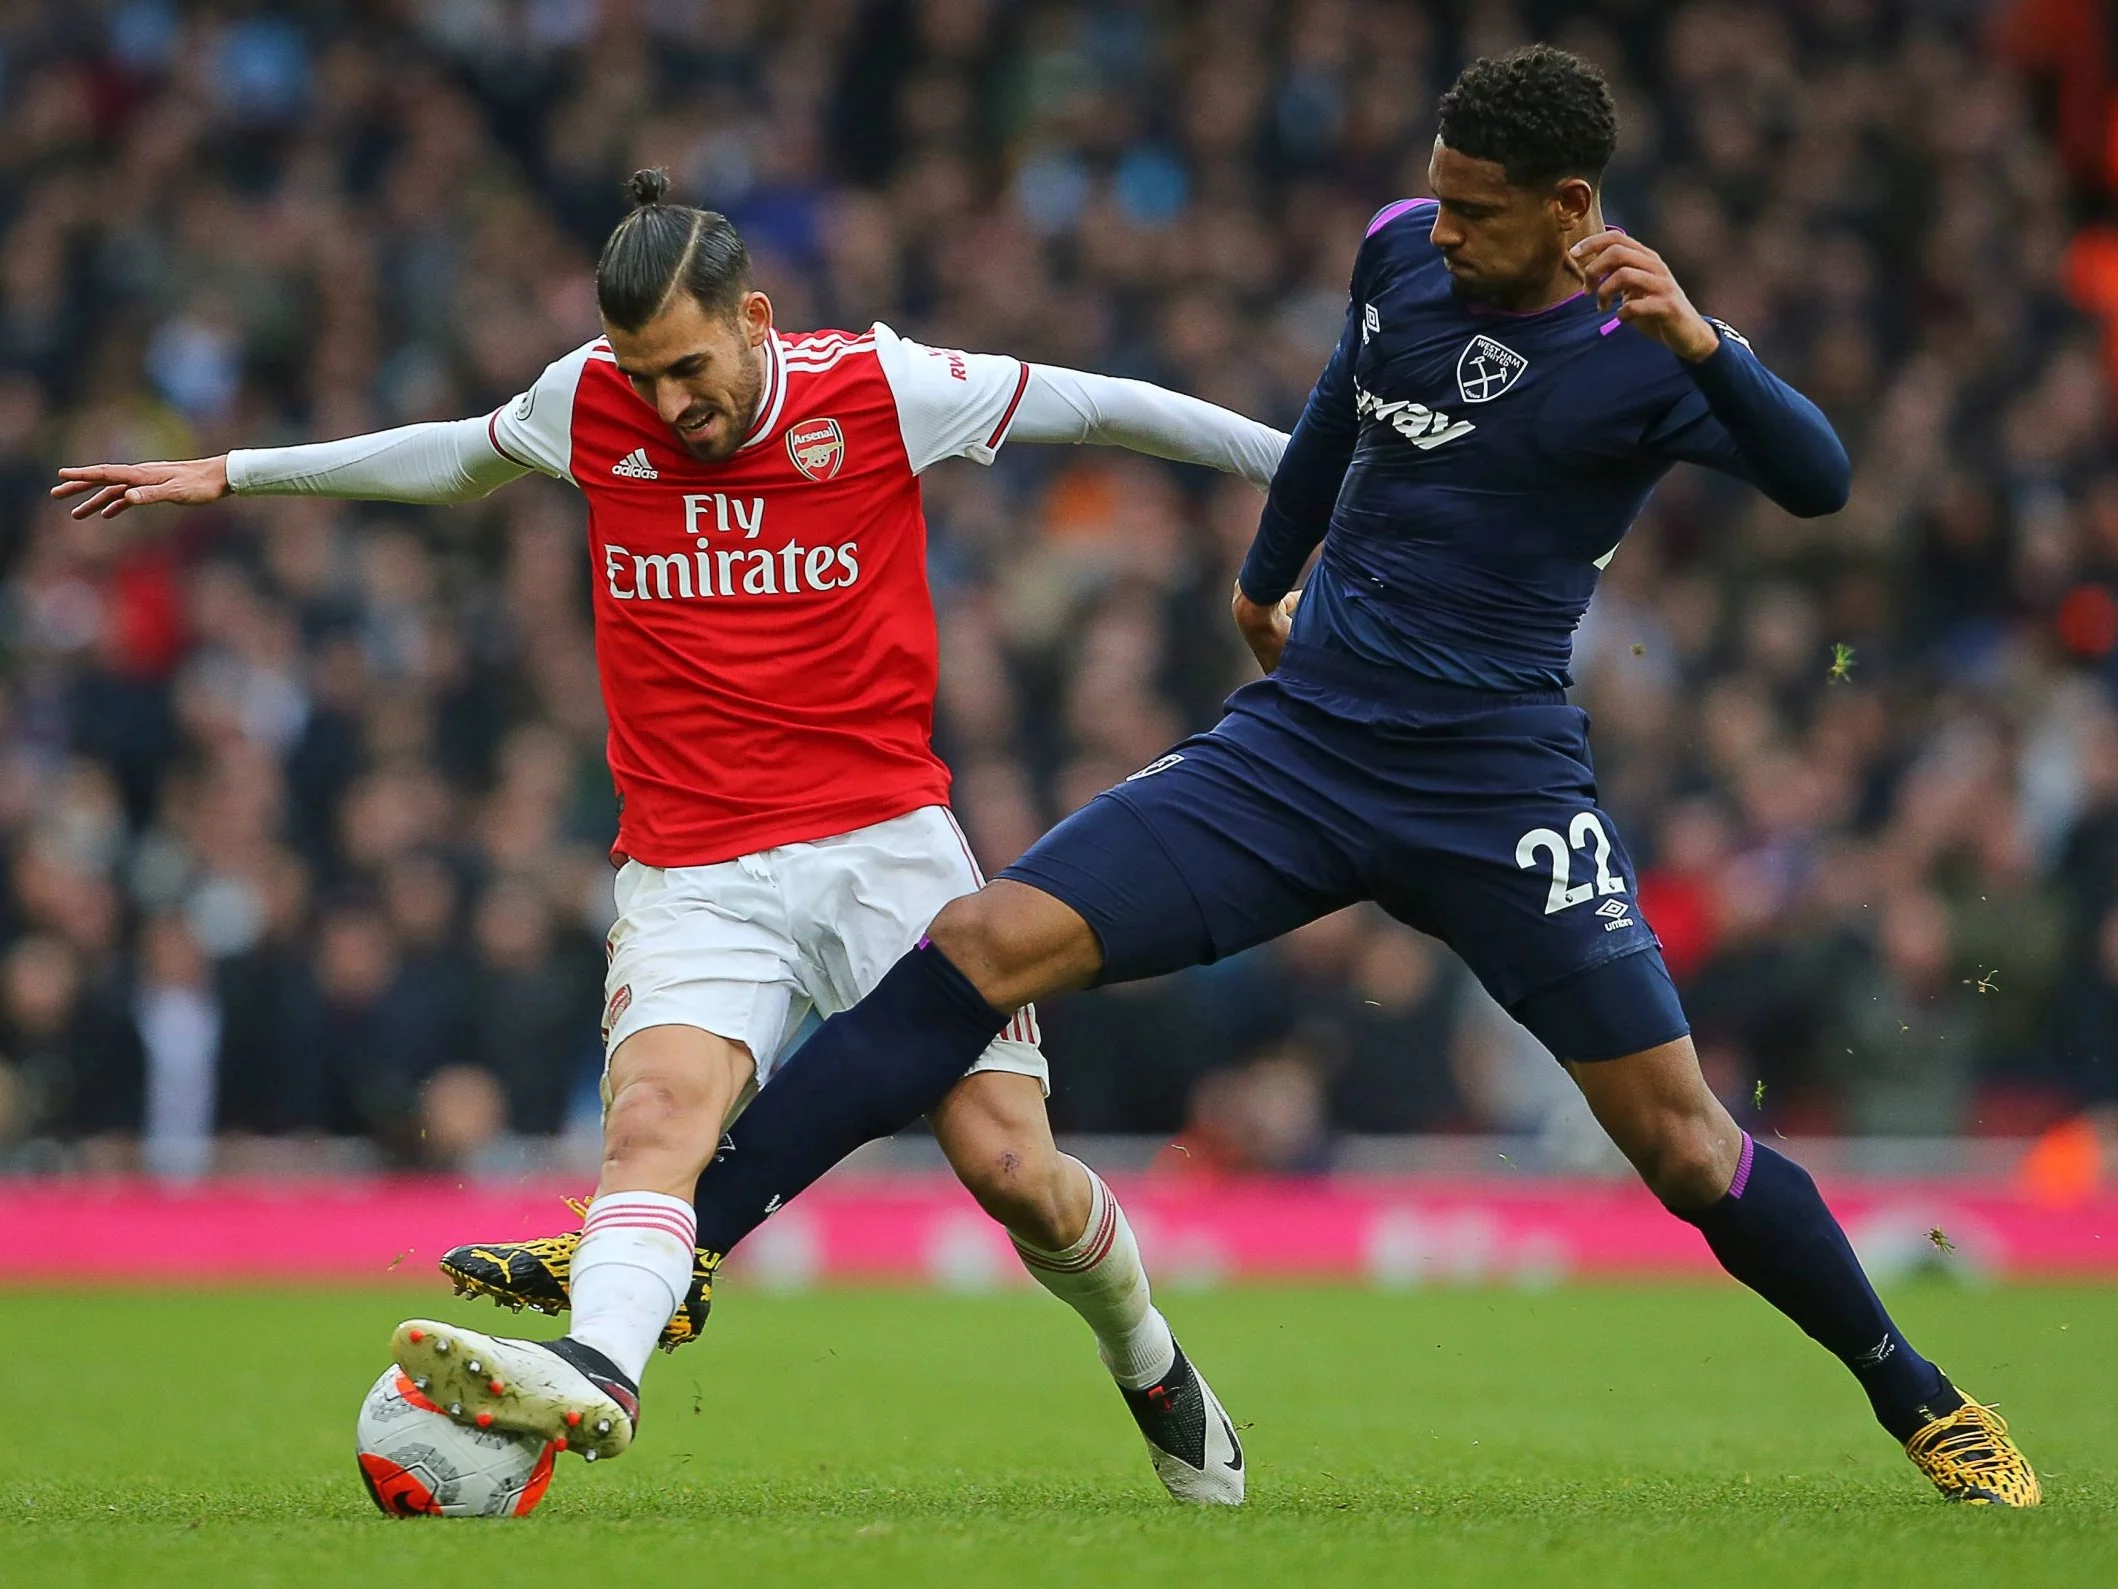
(817, 447)
(1485, 369)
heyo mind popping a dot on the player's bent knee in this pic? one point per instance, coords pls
(1017, 944)
(993, 1129)
(1683, 1161)
(1659, 1111)
(646, 1111)
(1024, 1197)
(1024, 1191)
(661, 1125)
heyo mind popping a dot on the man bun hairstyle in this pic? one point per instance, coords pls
(1541, 114)
(661, 249)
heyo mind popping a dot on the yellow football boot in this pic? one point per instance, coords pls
(1970, 1458)
(534, 1274)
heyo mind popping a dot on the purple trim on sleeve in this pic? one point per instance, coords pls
(1750, 1148)
(1389, 213)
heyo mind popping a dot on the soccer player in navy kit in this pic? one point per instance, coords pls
(1513, 379)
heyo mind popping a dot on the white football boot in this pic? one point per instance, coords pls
(570, 1394)
(1190, 1437)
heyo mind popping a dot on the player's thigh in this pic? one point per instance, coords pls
(1201, 854)
(1584, 975)
(860, 901)
(701, 947)
(1608, 1012)
(1531, 884)
(674, 1085)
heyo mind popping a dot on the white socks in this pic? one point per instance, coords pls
(1100, 1278)
(630, 1274)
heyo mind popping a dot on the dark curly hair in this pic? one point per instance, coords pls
(1541, 113)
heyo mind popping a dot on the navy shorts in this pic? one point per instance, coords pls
(1468, 815)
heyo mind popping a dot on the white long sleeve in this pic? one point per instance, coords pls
(447, 461)
(1062, 405)
(944, 414)
(952, 404)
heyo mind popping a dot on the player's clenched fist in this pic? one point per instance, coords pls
(1624, 271)
(114, 487)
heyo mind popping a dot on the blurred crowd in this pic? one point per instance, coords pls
(302, 804)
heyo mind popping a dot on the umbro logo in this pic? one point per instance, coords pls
(1613, 908)
(1728, 331)
(634, 466)
(1159, 764)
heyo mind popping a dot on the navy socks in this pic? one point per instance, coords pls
(1772, 1232)
(864, 1074)
(878, 1067)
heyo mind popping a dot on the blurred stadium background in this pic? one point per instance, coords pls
(303, 807)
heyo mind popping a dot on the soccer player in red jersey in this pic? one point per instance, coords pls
(767, 647)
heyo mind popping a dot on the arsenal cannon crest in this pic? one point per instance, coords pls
(817, 447)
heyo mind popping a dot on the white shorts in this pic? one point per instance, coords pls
(745, 948)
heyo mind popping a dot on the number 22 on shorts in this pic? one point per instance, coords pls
(1585, 832)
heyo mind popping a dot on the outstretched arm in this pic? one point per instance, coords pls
(1745, 420)
(457, 460)
(952, 404)
(1060, 405)
(451, 461)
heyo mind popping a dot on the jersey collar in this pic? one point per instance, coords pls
(774, 396)
(1484, 311)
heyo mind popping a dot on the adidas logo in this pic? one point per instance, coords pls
(634, 466)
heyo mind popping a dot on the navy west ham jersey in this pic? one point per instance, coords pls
(1475, 469)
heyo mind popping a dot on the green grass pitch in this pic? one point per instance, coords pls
(1583, 1436)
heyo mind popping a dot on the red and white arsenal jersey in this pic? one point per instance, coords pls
(763, 625)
